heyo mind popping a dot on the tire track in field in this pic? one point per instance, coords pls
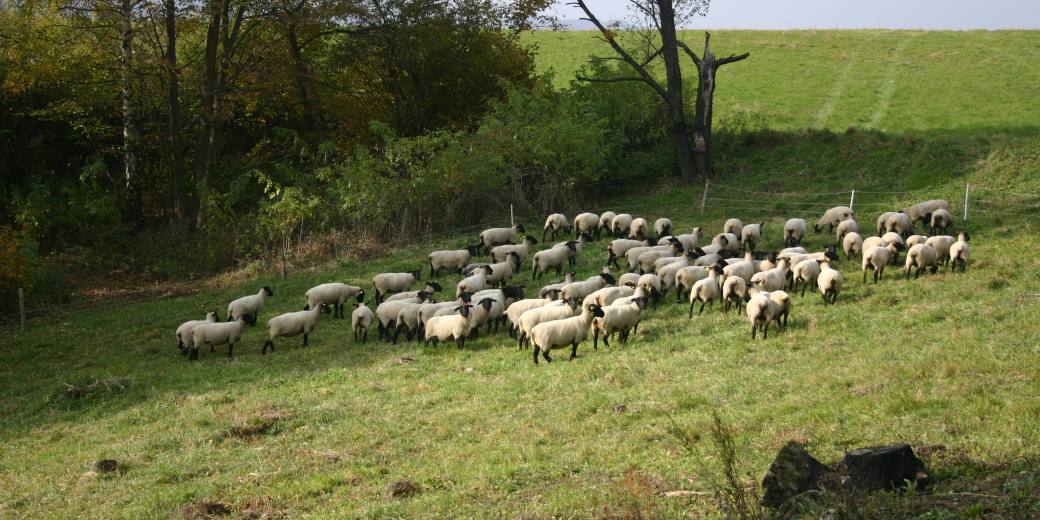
(837, 90)
(888, 82)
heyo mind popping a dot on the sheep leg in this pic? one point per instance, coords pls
(595, 340)
(230, 347)
(305, 339)
(701, 311)
(765, 331)
(364, 337)
(753, 328)
(545, 355)
(212, 348)
(690, 316)
(864, 276)
(574, 350)
(193, 355)
(606, 337)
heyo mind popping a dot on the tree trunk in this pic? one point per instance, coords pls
(173, 104)
(130, 134)
(208, 112)
(702, 113)
(673, 72)
(303, 79)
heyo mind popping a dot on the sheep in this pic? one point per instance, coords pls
(293, 323)
(621, 224)
(663, 227)
(334, 294)
(503, 299)
(774, 279)
(544, 291)
(734, 291)
(551, 258)
(452, 259)
(709, 259)
(899, 223)
(743, 269)
(621, 318)
(183, 332)
(550, 312)
(760, 312)
(651, 284)
(517, 309)
(360, 321)
(960, 252)
(454, 326)
(920, 257)
(882, 222)
(475, 282)
(572, 257)
(560, 333)
(555, 223)
(783, 305)
(579, 290)
(499, 253)
(620, 246)
(586, 223)
(733, 226)
(387, 313)
(501, 272)
(875, 258)
(832, 217)
(852, 244)
(941, 220)
(606, 219)
(248, 305)
(845, 227)
(922, 211)
(727, 242)
(479, 315)
(941, 244)
(689, 240)
(607, 295)
(896, 240)
(706, 290)
(645, 260)
(669, 272)
(668, 247)
(629, 279)
(829, 282)
(638, 228)
(686, 277)
(806, 272)
(429, 309)
(384, 283)
(215, 334)
(408, 320)
(750, 235)
(497, 236)
(797, 250)
(431, 287)
(794, 232)
(913, 240)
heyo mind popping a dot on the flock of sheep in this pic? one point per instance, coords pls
(728, 269)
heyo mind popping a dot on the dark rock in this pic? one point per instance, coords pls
(403, 488)
(619, 408)
(792, 473)
(106, 465)
(884, 467)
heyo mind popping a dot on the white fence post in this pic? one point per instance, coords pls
(704, 198)
(852, 200)
(966, 188)
(511, 223)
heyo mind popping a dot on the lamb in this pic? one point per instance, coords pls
(385, 283)
(706, 290)
(560, 333)
(550, 312)
(606, 219)
(806, 272)
(920, 257)
(555, 223)
(360, 321)
(794, 232)
(941, 244)
(452, 259)
(733, 226)
(830, 282)
(475, 282)
(960, 252)
(248, 305)
(882, 222)
(734, 291)
(922, 211)
(899, 223)
(387, 313)
(638, 228)
(750, 235)
(216, 334)
(544, 291)
(774, 279)
(760, 311)
(832, 217)
(431, 287)
(663, 227)
(845, 227)
(586, 223)
(551, 258)
(620, 225)
(184, 338)
(455, 326)
(875, 258)
(499, 253)
(620, 247)
(579, 290)
(334, 294)
(501, 272)
(852, 244)
(622, 318)
(293, 323)
(497, 236)
(941, 220)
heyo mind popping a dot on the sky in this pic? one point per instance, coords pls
(845, 14)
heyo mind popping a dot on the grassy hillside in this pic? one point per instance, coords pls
(946, 360)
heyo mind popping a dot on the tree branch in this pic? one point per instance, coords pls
(731, 59)
(611, 80)
(643, 73)
(693, 56)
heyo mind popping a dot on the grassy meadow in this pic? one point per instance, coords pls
(947, 362)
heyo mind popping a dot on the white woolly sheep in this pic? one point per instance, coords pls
(452, 327)
(706, 290)
(431, 287)
(783, 304)
(387, 313)
(686, 277)
(922, 211)
(586, 223)
(632, 254)
(960, 252)
(629, 279)
(408, 320)
(852, 244)
(882, 222)
(503, 299)
(845, 227)
(663, 227)
(554, 224)
(454, 260)
(743, 269)
(645, 261)
(545, 291)
(774, 279)
(832, 217)
(619, 247)
(941, 220)
(476, 282)
(183, 332)
(897, 242)
(830, 282)
(750, 235)
(293, 323)
(517, 309)
(899, 223)
(216, 334)
(942, 244)
(428, 310)
(552, 258)
(333, 294)
(606, 220)
(579, 290)
(249, 305)
(919, 258)
(572, 257)
(734, 291)
(560, 333)
(385, 283)
(500, 273)
(794, 232)
(607, 295)
(913, 240)
(550, 312)
(620, 318)
(806, 272)
(689, 240)
(733, 226)
(760, 312)
(360, 321)
(620, 225)
(497, 236)
(875, 258)
(727, 242)
(639, 228)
